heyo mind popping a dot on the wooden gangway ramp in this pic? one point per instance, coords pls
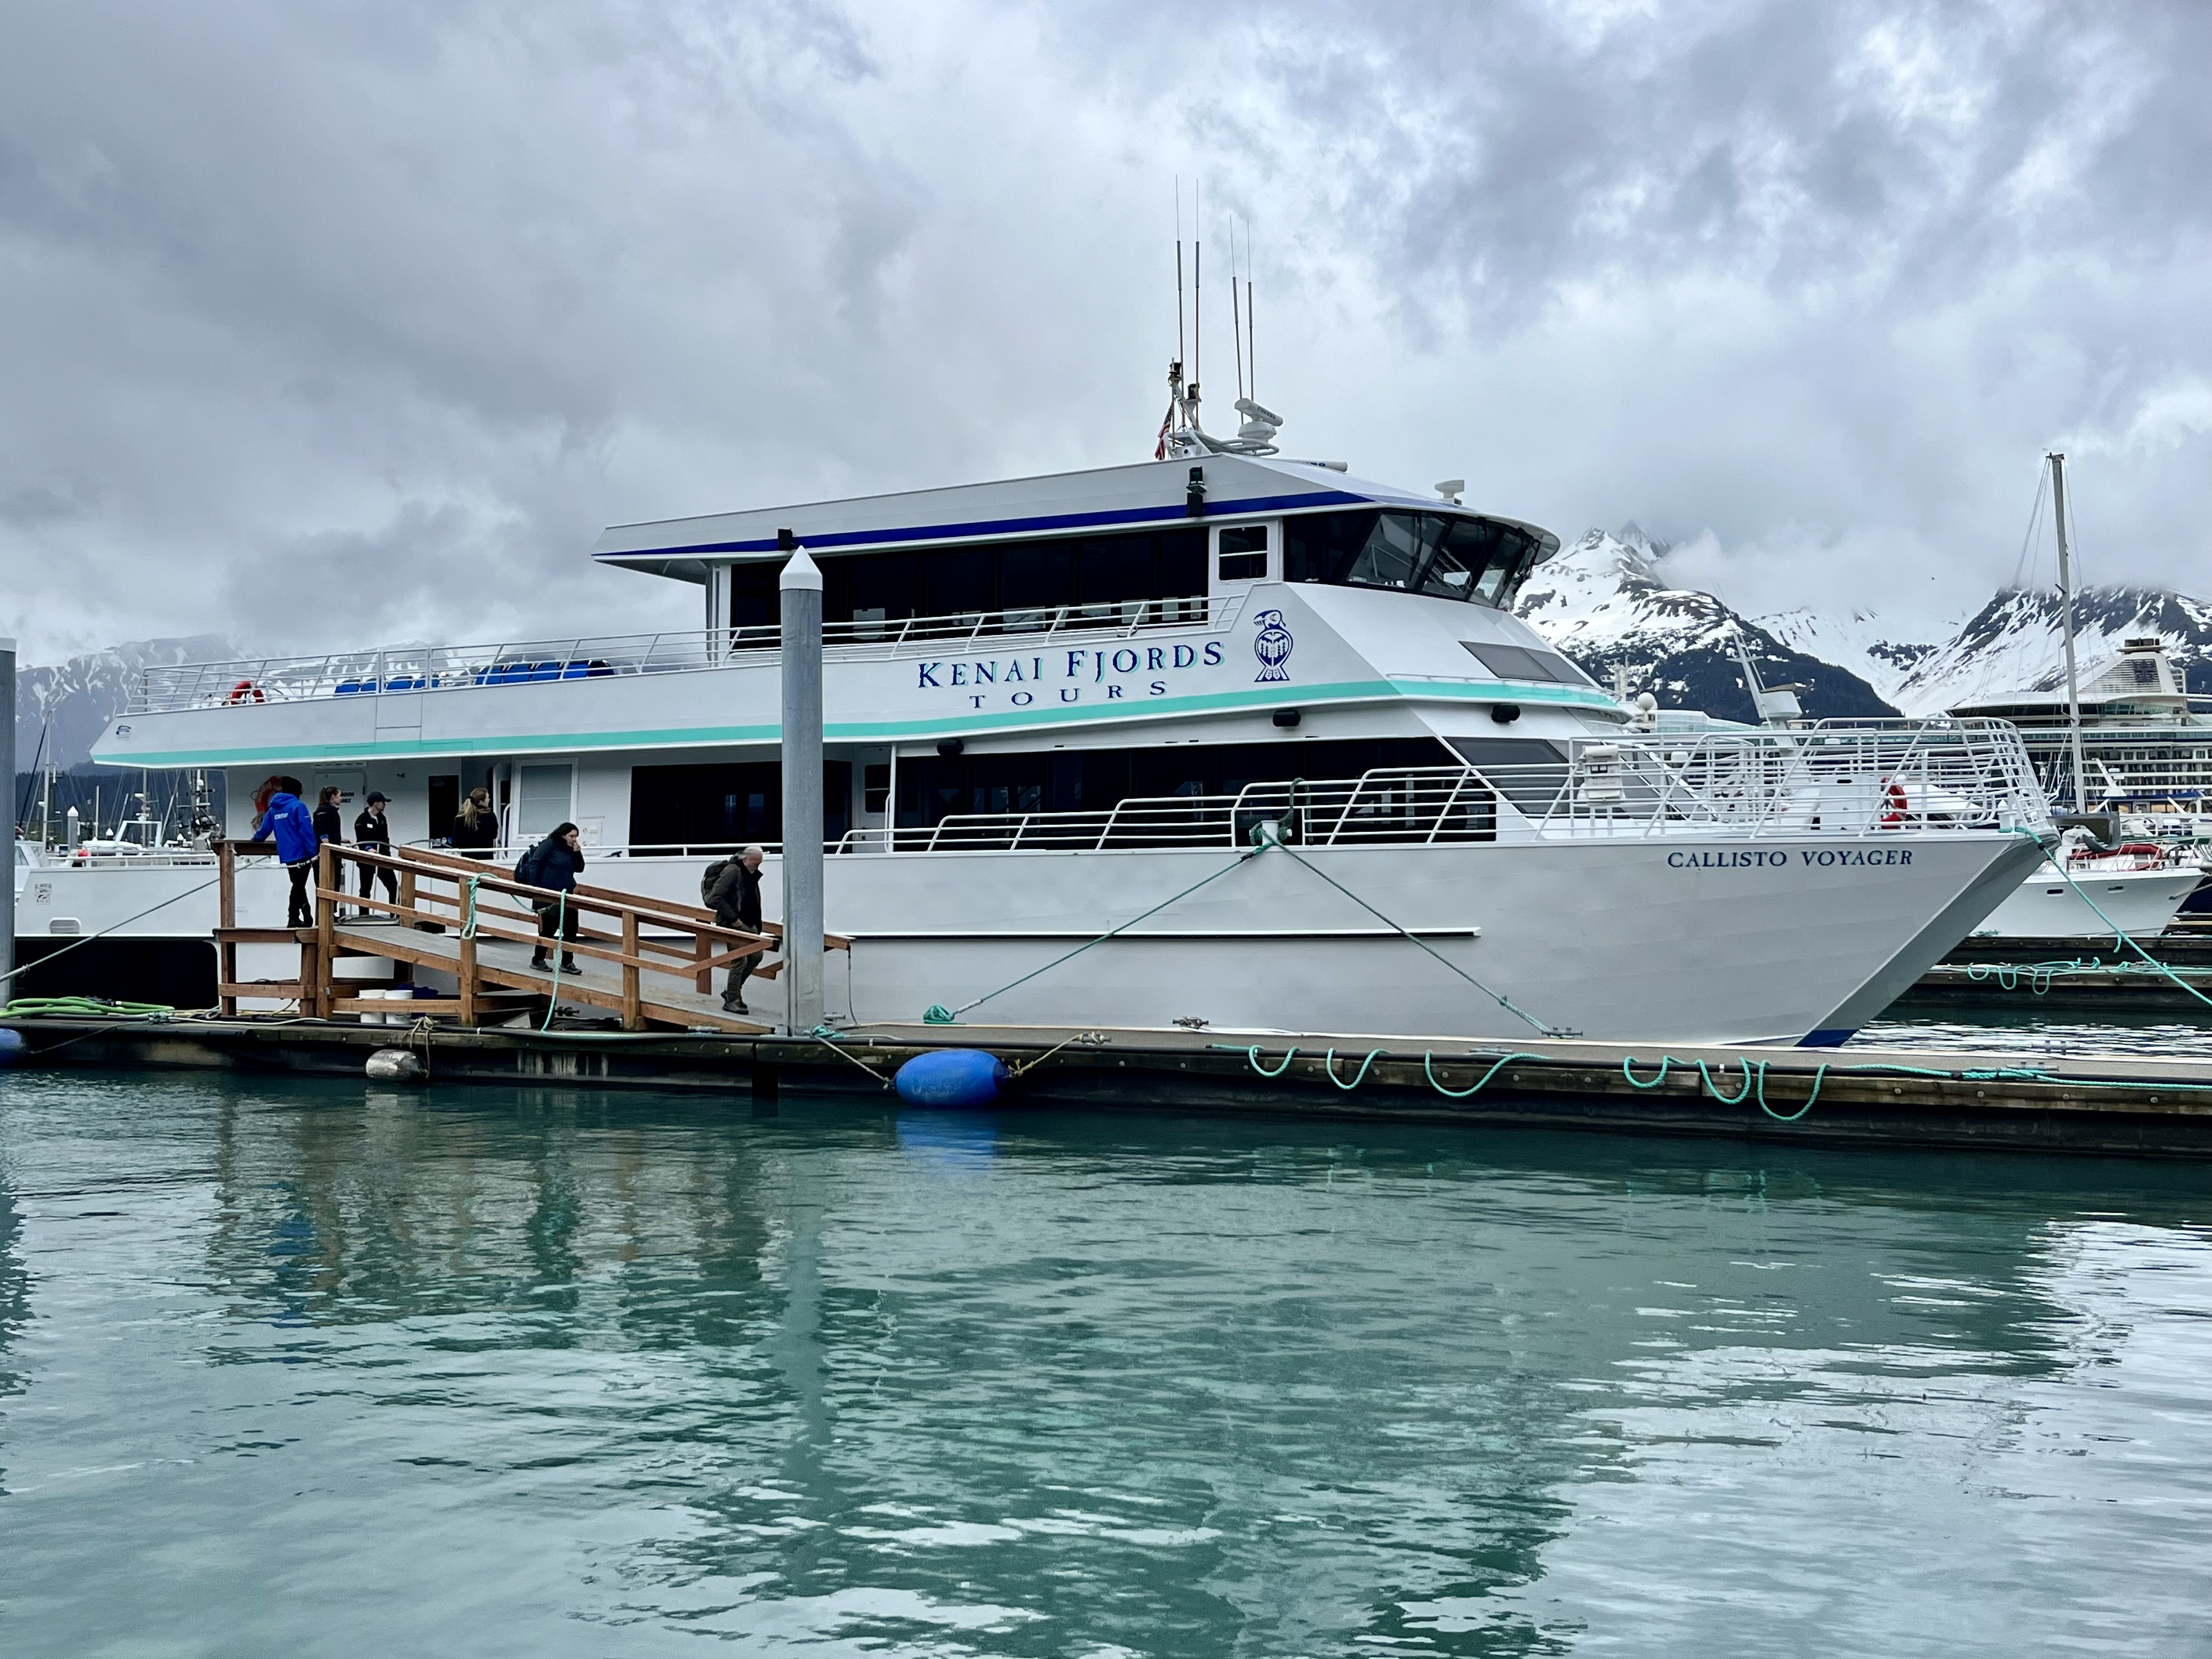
(650, 962)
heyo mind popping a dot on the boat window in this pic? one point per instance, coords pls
(1243, 553)
(1441, 554)
(931, 788)
(1527, 771)
(966, 577)
(1518, 662)
(544, 800)
(722, 808)
(1393, 553)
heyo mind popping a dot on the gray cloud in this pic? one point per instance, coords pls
(331, 323)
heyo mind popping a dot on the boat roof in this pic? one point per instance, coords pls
(1103, 498)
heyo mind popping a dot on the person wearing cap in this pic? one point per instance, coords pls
(372, 833)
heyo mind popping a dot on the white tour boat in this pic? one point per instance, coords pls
(1056, 703)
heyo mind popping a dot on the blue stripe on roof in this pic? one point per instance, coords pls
(1013, 527)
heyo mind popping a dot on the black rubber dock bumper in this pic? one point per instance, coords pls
(1858, 1097)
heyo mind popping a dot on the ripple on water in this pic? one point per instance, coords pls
(335, 1370)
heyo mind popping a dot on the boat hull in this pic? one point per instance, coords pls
(2140, 903)
(1766, 940)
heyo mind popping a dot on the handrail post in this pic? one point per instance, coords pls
(226, 912)
(633, 1015)
(326, 921)
(467, 975)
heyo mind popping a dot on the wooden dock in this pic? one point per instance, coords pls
(1838, 1096)
(648, 962)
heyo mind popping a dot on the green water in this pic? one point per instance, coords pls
(335, 1370)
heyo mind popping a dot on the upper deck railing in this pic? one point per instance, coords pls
(247, 681)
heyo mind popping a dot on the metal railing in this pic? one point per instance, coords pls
(1830, 783)
(247, 681)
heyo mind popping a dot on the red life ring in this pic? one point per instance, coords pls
(245, 692)
(1896, 807)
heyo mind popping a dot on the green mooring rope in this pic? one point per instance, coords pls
(560, 955)
(1263, 842)
(1498, 997)
(939, 1014)
(2058, 863)
(1754, 1082)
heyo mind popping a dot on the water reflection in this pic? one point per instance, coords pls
(1008, 1384)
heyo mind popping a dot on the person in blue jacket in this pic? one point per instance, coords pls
(285, 816)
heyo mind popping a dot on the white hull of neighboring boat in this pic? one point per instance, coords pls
(2140, 903)
(158, 896)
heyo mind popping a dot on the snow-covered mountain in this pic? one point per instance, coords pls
(1858, 641)
(2013, 644)
(67, 704)
(1606, 602)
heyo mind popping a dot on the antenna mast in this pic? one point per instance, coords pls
(1236, 325)
(1197, 288)
(1181, 357)
(2066, 626)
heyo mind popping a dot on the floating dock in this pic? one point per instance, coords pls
(1832, 1096)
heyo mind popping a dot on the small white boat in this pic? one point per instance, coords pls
(2136, 888)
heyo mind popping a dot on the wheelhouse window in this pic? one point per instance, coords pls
(965, 578)
(1440, 554)
(1242, 553)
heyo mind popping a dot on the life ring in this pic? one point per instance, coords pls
(1896, 807)
(245, 692)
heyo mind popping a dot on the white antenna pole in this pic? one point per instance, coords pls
(2066, 626)
(1197, 285)
(1180, 356)
(1236, 325)
(1251, 319)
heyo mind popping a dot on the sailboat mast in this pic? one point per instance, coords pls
(2066, 628)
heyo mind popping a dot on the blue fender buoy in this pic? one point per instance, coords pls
(13, 1047)
(952, 1077)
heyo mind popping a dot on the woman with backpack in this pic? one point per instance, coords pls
(554, 863)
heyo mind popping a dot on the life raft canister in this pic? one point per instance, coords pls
(245, 692)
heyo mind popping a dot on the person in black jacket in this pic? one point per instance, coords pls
(476, 831)
(372, 833)
(736, 898)
(328, 827)
(554, 863)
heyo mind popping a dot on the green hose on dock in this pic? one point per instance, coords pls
(92, 1007)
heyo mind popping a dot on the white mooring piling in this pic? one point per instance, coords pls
(799, 591)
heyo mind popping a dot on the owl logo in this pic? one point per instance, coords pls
(1272, 648)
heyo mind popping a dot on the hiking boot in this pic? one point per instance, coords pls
(568, 965)
(735, 1007)
(540, 961)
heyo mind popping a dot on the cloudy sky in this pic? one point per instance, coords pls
(325, 323)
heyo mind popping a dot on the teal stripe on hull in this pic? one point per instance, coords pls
(864, 731)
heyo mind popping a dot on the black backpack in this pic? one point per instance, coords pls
(526, 868)
(708, 877)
